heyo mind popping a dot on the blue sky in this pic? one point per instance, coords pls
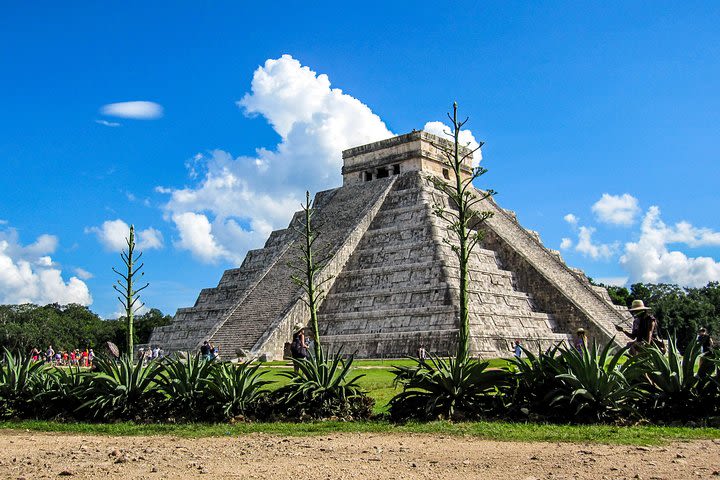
(601, 124)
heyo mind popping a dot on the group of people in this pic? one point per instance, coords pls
(152, 353)
(64, 358)
(208, 351)
(644, 332)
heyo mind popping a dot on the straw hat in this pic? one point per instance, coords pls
(580, 330)
(298, 326)
(637, 306)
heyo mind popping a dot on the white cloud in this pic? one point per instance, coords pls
(107, 124)
(139, 110)
(595, 251)
(234, 203)
(112, 234)
(566, 243)
(83, 274)
(649, 260)
(571, 219)
(466, 137)
(616, 209)
(29, 275)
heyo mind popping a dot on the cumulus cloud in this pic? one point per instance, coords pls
(616, 209)
(596, 251)
(614, 281)
(83, 274)
(566, 243)
(233, 203)
(571, 219)
(138, 110)
(650, 260)
(112, 235)
(466, 137)
(29, 275)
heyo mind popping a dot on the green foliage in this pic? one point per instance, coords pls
(183, 383)
(119, 390)
(321, 387)
(61, 393)
(674, 390)
(447, 389)
(535, 379)
(235, 390)
(21, 379)
(594, 386)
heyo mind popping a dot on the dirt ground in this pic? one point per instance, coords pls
(32, 455)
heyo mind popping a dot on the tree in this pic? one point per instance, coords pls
(129, 296)
(463, 220)
(311, 262)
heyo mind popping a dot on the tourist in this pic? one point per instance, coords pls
(518, 349)
(299, 346)
(49, 354)
(705, 343)
(91, 357)
(580, 342)
(205, 350)
(35, 354)
(216, 353)
(643, 328)
(155, 352)
(422, 353)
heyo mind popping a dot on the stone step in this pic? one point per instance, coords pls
(404, 252)
(391, 276)
(388, 320)
(362, 301)
(416, 213)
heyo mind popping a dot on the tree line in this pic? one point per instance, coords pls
(27, 326)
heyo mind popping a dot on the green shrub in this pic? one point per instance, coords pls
(676, 387)
(120, 390)
(320, 388)
(594, 387)
(534, 380)
(61, 393)
(448, 389)
(21, 380)
(235, 390)
(182, 384)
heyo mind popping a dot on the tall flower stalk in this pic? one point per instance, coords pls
(461, 216)
(129, 295)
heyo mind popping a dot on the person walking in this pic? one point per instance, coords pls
(299, 346)
(518, 349)
(643, 328)
(580, 342)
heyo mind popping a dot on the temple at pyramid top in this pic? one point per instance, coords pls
(417, 151)
(392, 278)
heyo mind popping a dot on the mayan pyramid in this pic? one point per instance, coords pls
(394, 283)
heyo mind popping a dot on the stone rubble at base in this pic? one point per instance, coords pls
(393, 282)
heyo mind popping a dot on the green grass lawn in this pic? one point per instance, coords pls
(500, 431)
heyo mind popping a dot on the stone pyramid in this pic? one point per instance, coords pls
(394, 282)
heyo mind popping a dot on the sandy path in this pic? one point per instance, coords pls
(32, 455)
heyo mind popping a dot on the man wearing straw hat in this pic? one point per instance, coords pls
(643, 328)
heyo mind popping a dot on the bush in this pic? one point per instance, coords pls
(120, 390)
(235, 390)
(448, 389)
(674, 390)
(534, 380)
(594, 387)
(182, 384)
(21, 380)
(320, 388)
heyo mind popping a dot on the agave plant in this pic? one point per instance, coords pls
(61, 391)
(448, 389)
(321, 387)
(21, 379)
(119, 390)
(678, 386)
(234, 389)
(594, 386)
(183, 383)
(534, 380)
